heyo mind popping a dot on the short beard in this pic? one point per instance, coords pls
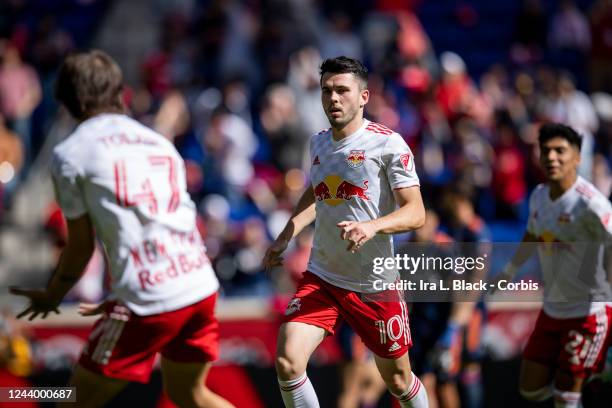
(339, 125)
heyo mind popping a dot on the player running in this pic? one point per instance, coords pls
(125, 184)
(572, 222)
(361, 171)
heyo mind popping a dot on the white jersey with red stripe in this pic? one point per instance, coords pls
(131, 183)
(573, 230)
(353, 180)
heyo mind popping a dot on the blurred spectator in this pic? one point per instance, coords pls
(472, 157)
(509, 184)
(602, 176)
(11, 160)
(456, 92)
(600, 72)
(570, 40)
(303, 78)
(574, 108)
(286, 134)
(530, 32)
(15, 350)
(20, 93)
(239, 264)
(172, 118)
(569, 28)
(229, 144)
(340, 38)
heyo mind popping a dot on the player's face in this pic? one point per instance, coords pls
(559, 159)
(343, 98)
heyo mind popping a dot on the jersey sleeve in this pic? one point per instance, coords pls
(598, 219)
(67, 191)
(399, 163)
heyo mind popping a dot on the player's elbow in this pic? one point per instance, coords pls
(418, 218)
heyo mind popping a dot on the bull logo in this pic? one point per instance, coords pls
(355, 158)
(334, 190)
(293, 306)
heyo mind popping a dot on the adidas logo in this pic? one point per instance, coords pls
(316, 160)
(394, 346)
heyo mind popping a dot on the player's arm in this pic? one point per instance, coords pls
(409, 216)
(303, 215)
(72, 263)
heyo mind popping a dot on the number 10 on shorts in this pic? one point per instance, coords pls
(393, 329)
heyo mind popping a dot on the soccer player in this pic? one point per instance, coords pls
(363, 188)
(572, 222)
(125, 184)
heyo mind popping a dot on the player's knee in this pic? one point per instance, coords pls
(398, 381)
(287, 368)
(540, 394)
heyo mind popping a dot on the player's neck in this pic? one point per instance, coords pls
(557, 188)
(349, 129)
(95, 112)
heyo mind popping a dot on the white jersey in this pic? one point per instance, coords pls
(573, 230)
(353, 180)
(131, 182)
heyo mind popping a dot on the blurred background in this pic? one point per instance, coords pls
(235, 86)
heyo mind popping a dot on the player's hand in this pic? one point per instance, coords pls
(40, 303)
(357, 233)
(92, 309)
(273, 256)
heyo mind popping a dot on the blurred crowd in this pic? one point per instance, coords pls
(235, 86)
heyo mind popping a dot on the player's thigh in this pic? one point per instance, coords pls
(92, 389)
(534, 375)
(297, 341)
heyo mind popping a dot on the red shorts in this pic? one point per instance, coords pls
(382, 325)
(123, 345)
(577, 345)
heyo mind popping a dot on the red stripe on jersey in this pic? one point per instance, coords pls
(585, 190)
(378, 128)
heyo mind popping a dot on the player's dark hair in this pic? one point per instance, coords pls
(345, 65)
(551, 130)
(90, 83)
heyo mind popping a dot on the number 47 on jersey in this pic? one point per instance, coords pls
(158, 171)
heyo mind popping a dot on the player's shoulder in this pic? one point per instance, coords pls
(321, 135)
(378, 129)
(383, 137)
(539, 191)
(590, 196)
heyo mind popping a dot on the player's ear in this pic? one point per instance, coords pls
(365, 97)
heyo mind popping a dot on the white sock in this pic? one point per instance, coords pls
(415, 397)
(566, 399)
(298, 393)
